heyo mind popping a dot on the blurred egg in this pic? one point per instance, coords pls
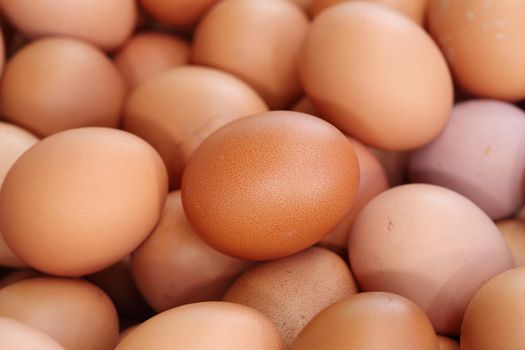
(205, 326)
(56, 84)
(292, 290)
(494, 317)
(270, 185)
(106, 24)
(147, 54)
(376, 75)
(480, 154)
(15, 335)
(429, 244)
(75, 313)
(177, 109)
(369, 321)
(174, 266)
(513, 232)
(17, 276)
(81, 200)
(483, 43)
(446, 343)
(258, 41)
(178, 13)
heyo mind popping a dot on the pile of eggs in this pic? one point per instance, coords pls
(262, 174)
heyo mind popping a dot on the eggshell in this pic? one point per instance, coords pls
(376, 75)
(106, 24)
(205, 326)
(480, 154)
(369, 321)
(303, 4)
(16, 335)
(147, 54)
(513, 232)
(56, 84)
(429, 244)
(494, 317)
(258, 41)
(270, 185)
(178, 13)
(292, 290)
(446, 343)
(174, 266)
(189, 103)
(75, 313)
(81, 200)
(483, 43)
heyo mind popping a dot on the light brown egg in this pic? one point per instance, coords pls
(147, 54)
(494, 317)
(174, 266)
(19, 336)
(18, 275)
(176, 110)
(270, 185)
(178, 13)
(205, 326)
(81, 200)
(376, 75)
(372, 181)
(429, 244)
(513, 232)
(56, 84)
(483, 43)
(292, 290)
(75, 313)
(258, 41)
(367, 321)
(446, 343)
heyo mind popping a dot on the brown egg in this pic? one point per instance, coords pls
(18, 275)
(13, 142)
(190, 103)
(270, 185)
(258, 41)
(446, 343)
(483, 43)
(292, 290)
(75, 313)
(394, 163)
(372, 181)
(367, 321)
(81, 200)
(147, 54)
(205, 326)
(56, 84)
(376, 75)
(106, 24)
(429, 244)
(19, 336)
(174, 266)
(513, 231)
(178, 13)
(494, 317)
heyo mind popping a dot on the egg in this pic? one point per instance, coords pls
(269, 185)
(399, 103)
(480, 154)
(446, 343)
(429, 244)
(368, 321)
(55, 84)
(513, 232)
(106, 24)
(81, 200)
(395, 165)
(303, 4)
(178, 13)
(176, 110)
(174, 266)
(205, 326)
(73, 312)
(258, 41)
(147, 54)
(17, 276)
(16, 335)
(482, 40)
(493, 319)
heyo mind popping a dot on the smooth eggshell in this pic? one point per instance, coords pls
(81, 200)
(446, 343)
(429, 244)
(270, 185)
(15, 335)
(178, 13)
(292, 290)
(369, 321)
(513, 232)
(205, 326)
(75, 313)
(480, 154)
(396, 106)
